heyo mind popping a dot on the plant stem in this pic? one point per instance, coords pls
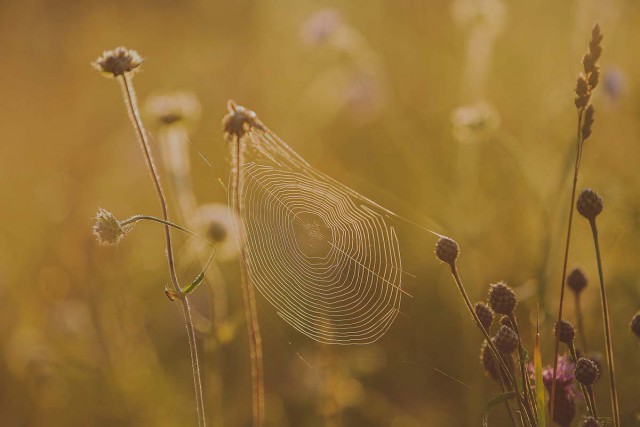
(566, 254)
(526, 384)
(134, 115)
(583, 335)
(607, 327)
(137, 218)
(496, 354)
(251, 312)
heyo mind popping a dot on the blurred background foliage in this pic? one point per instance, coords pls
(455, 113)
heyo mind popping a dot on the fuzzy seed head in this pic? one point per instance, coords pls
(635, 324)
(576, 280)
(117, 62)
(239, 121)
(489, 363)
(447, 250)
(502, 299)
(506, 340)
(485, 314)
(591, 422)
(589, 204)
(107, 228)
(587, 371)
(565, 332)
(504, 320)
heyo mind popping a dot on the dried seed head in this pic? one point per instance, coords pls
(502, 299)
(565, 332)
(490, 364)
(564, 409)
(173, 108)
(447, 250)
(588, 63)
(589, 204)
(485, 314)
(587, 122)
(595, 48)
(239, 120)
(594, 77)
(587, 371)
(582, 92)
(506, 340)
(576, 280)
(635, 324)
(107, 228)
(591, 422)
(117, 62)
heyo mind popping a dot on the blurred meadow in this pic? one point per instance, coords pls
(457, 115)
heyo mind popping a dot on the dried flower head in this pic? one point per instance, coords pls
(591, 422)
(485, 314)
(217, 224)
(576, 280)
(595, 45)
(107, 228)
(506, 340)
(117, 62)
(635, 324)
(564, 409)
(489, 363)
(589, 204)
(587, 371)
(502, 299)
(587, 122)
(173, 108)
(447, 250)
(565, 332)
(504, 320)
(239, 120)
(582, 91)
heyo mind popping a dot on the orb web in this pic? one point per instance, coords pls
(319, 252)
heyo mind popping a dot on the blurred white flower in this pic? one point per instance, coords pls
(173, 108)
(217, 225)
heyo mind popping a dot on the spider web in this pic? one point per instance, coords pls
(319, 252)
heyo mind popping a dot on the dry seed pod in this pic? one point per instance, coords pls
(485, 314)
(447, 250)
(576, 280)
(502, 299)
(565, 332)
(589, 204)
(587, 371)
(506, 340)
(117, 62)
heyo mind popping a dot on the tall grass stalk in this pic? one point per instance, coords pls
(234, 136)
(607, 326)
(134, 114)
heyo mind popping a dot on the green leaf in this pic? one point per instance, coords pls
(493, 402)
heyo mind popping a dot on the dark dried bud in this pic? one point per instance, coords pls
(447, 250)
(506, 340)
(565, 332)
(485, 314)
(504, 320)
(576, 280)
(117, 62)
(635, 324)
(564, 409)
(239, 121)
(587, 371)
(491, 365)
(502, 299)
(589, 204)
(587, 122)
(591, 422)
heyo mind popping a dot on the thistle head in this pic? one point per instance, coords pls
(565, 332)
(506, 340)
(587, 371)
(239, 120)
(502, 299)
(485, 314)
(447, 250)
(589, 204)
(577, 280)
(118, 62)
(107, 229)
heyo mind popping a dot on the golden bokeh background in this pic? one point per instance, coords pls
(454, 113)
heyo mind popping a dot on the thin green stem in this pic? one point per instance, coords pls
(251, 311)
(566, 255)
(607, 326)
(496, 354)
(134, 115)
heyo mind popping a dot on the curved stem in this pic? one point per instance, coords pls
(137, 218)
(251, 312)
(134, 115)
(607, 327)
